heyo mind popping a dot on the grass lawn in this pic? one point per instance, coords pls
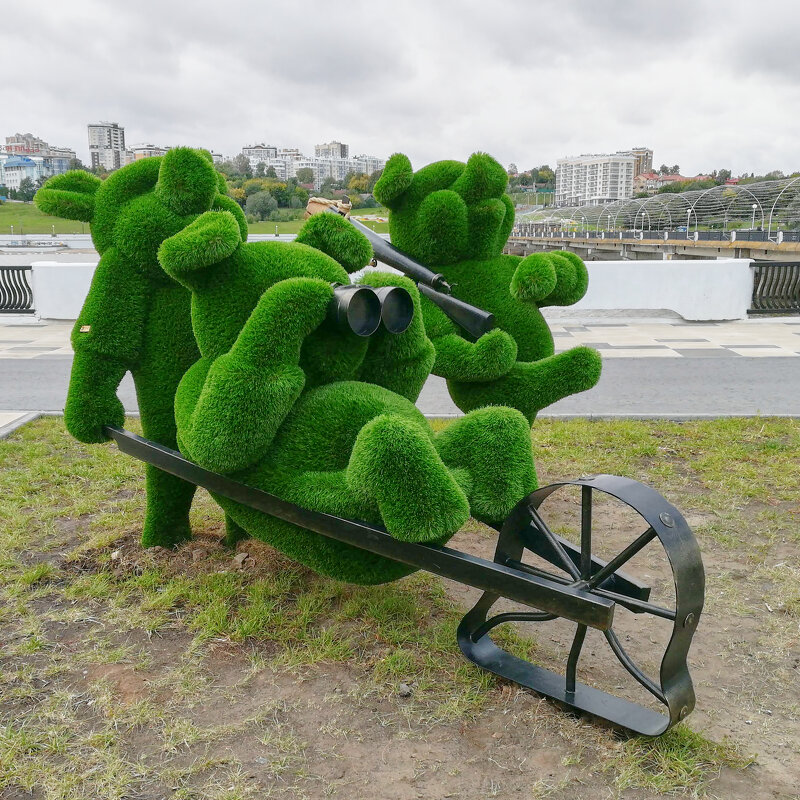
(195, 674)
(26, 218)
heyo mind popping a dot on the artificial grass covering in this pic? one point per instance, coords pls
(234, 341)
(283, 400)
(455, 219)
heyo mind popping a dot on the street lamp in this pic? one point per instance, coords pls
(753, 223)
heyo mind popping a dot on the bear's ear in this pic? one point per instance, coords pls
(483, 179)
(69, 195)
(395, 180)
(187, 181)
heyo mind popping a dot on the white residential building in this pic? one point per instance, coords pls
(147, 151)
(594, 179)
(256, 153)
(107, 146)
(369, 164)
(332, 150)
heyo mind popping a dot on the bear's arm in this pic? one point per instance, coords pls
(107, 339)
(488, 358)
(337, 238)
(249, 390)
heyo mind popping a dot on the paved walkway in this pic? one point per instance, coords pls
(653, 367)
(758, 338)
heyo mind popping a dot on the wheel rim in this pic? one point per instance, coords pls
(527, 530)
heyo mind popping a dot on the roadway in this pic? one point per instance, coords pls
(727, 385)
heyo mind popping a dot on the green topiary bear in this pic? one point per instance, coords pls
(285, 401)
(136, 318)
(455, 218)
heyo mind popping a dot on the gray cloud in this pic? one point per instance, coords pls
(706, 84)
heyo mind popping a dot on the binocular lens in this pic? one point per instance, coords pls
(362, 308)
(397, 308)
(357, 308)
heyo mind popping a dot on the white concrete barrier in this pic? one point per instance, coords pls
(59, 289)
(697, 290)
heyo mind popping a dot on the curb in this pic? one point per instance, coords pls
(23, 419)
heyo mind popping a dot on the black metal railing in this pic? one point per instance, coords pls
(16, 296)
(776, 287)
(530, 231)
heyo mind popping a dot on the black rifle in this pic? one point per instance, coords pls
(474, 321)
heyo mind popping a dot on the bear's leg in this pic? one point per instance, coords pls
(493, 446)
(234, 533)
(168, 501)
(169, 349)
(531, 386)
(395, 465)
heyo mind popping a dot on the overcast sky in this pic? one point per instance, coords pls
(705, 83)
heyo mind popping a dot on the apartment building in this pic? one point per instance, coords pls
(107, 146)
(332, 150)
(594, 179)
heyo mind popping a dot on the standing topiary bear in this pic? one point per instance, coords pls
(285, 401)
(455, 218)
(136, 318)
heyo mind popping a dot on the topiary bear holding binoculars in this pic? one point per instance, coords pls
(291, 396)
(455, 219)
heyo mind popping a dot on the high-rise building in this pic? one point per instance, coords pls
(644, 160)
(594, 179)
(332, 150)
(107, 146)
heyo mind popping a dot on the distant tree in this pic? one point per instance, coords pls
(241, 165)
(359, 182)
(301, 195)
(305, 175)
(270, 172)
(675, 169)
(27, 189)
(373, 179)
(259, 173)
(76, 163)
(663, 170)
(722, 175)
(512, 169)
(775, 175)
(261, 205)
(546, 175)
(237, 193)
(330, 185)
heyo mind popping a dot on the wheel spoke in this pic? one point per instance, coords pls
(586, 532)
(541, 526)
(637, 606)
(627, 662)
(621, 558)
(574, 654)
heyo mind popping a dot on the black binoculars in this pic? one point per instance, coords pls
(361, 309)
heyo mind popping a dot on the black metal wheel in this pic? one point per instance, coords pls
(527, 543)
